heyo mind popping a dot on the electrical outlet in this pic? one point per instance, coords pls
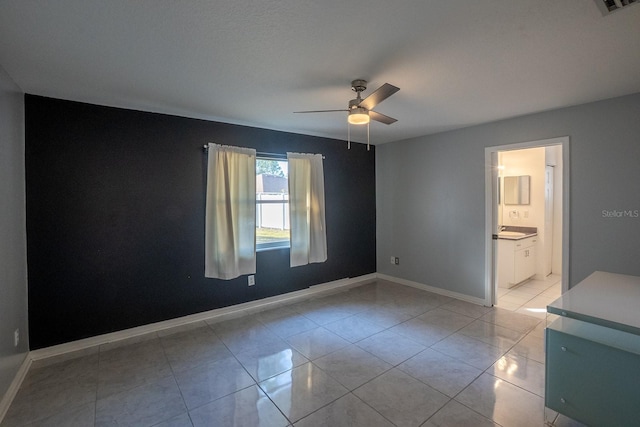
(16, 337)
(252, 280)
(397, 261)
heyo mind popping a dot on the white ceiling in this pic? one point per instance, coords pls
(254, 62)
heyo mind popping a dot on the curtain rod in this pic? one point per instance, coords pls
(276, 155)
(263, 153)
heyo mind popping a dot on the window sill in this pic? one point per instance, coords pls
(273, 246)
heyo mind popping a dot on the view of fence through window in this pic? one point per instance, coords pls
(272, 203)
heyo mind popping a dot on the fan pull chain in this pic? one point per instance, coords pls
(367, 136)
(348, 135)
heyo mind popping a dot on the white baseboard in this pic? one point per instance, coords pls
(440, 291)
(86, 344)
(8, 397)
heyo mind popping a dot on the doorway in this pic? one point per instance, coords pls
(549, 194)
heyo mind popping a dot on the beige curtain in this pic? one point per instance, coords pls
(306, 209)
(230, 222)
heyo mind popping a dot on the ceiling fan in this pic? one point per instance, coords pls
(360, 110)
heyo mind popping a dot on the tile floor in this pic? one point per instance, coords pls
(531, 297)
(380, 354)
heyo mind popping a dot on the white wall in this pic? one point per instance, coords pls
(430, 195)
(13, 246)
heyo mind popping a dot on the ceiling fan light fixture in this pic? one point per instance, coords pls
(359, 116)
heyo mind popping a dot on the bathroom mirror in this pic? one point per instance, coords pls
(516, 190)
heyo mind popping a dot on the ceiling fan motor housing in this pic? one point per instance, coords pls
(358, 85)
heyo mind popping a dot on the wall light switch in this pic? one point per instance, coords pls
(393, 260)
(16, 337)
(252, 280)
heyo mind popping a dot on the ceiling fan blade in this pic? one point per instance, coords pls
(318, 111)
(380, 94)
(381, 118)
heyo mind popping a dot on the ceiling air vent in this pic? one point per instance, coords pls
(608, 6)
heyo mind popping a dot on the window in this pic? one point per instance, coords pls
(272, 203)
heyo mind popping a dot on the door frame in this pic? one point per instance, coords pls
(491, 209)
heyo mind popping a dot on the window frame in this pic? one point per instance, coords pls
(283, 244)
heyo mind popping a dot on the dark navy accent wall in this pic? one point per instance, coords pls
(115, 218)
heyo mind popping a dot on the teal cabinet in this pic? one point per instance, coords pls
(593, 373)
(593, 352)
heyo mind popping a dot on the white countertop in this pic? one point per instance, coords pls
(603, 298)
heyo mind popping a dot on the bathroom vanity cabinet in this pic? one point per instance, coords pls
(593, 352)
(517, 260)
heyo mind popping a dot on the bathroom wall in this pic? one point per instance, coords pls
(524, 162)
